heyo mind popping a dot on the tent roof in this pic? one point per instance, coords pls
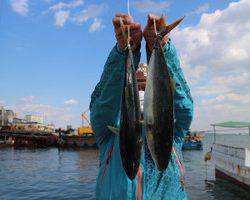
(233, 124)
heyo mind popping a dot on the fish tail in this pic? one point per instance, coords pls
(170, 27)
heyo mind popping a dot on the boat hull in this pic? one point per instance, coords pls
(198, 145)
(232, 163)
(77, 141)
(240, 181)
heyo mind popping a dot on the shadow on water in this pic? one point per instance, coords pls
(226, 190)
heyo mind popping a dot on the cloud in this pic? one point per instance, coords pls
(61, 17)
(20, 6)
(201, 9)
(59, 115)
(151, 6)
(92, 11)
(28, 99)
(215, 57)
(96, 25)
(62, 5)
(71, 102)
(68, 117)
(64, 12)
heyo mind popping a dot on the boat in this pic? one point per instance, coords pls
(192, 145)
(193, 141)
(29, 139)
(232, 163)
(27, 135)
(84, 140)
(82, 137)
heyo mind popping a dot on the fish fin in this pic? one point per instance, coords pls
(172, 85)
(114, 130)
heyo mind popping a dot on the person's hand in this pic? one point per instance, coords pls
(149, 31)
(135, 31)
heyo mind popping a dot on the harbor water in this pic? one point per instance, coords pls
(53, 173)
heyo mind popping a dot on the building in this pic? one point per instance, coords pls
(141, 76)
(34, 119)
(17, 120)
(6, 116)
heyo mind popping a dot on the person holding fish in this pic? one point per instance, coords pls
(141, 158)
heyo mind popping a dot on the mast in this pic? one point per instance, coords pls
(2, 116)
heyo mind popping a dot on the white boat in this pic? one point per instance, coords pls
(232, 163)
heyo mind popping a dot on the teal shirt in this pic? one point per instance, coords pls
(105, 110)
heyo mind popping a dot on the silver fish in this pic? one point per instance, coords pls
(130, 127)
(159, 104)
(130, 138)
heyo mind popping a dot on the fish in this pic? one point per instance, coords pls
(158, 108)
(130, 136)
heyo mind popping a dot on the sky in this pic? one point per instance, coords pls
(52, 54)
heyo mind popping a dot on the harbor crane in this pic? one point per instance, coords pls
(86, 125)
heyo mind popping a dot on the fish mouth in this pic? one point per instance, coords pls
(131, 156)
(132, 170)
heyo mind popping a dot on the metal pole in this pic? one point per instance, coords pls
(2, 116)
(214, 134)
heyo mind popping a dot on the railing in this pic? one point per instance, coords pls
(236, 155)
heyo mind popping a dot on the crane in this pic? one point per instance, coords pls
(85, 129)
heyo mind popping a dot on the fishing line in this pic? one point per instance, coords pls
(122, 25)
(155, 27)
(122, 28)
(128, 7)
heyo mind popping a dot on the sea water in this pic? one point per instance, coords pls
(53, 173)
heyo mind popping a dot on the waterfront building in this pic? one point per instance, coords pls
(6, 116)
(34, 118)
(17, 120)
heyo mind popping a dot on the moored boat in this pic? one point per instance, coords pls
(192, 145)
(193, 142)
(77, 141)
(28, 138)
(232, 163)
